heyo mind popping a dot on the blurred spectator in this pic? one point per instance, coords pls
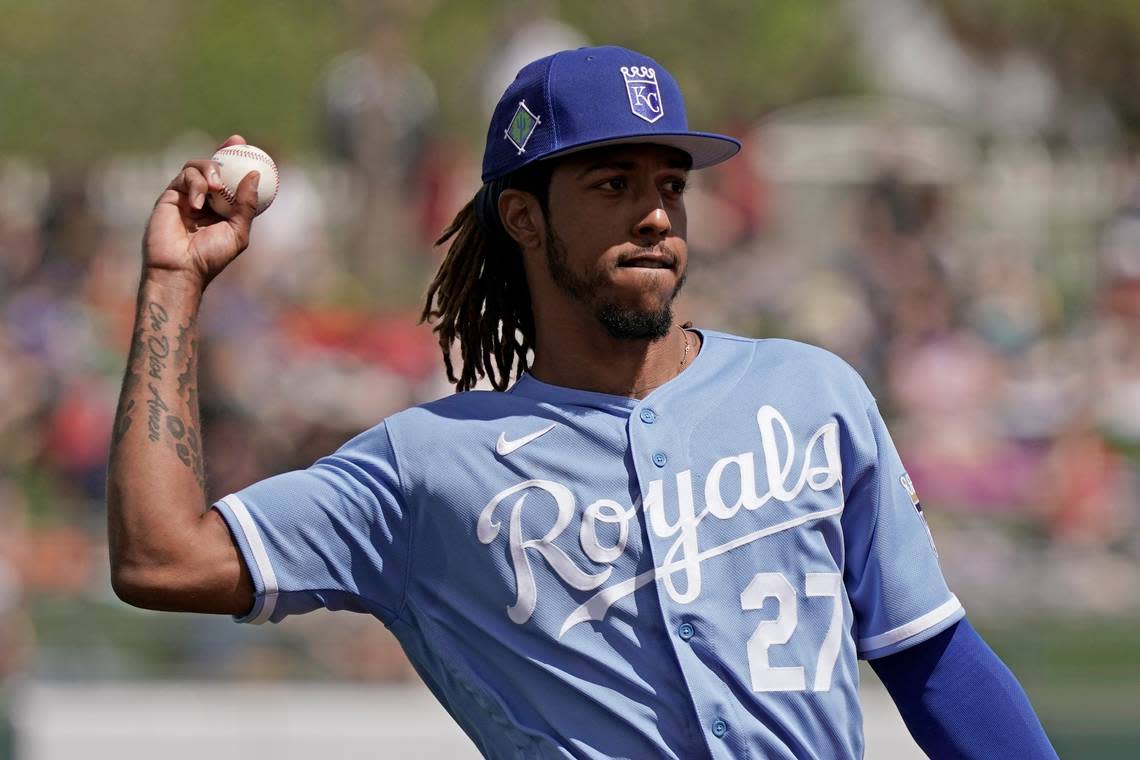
(896, 267)
(378, 111)
(1112, 356)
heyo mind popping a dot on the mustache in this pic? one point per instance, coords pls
(662, 249)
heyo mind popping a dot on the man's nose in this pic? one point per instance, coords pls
(655, 225)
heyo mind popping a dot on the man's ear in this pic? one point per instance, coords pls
(522, 218)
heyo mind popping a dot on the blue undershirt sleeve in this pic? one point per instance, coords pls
(959, 700)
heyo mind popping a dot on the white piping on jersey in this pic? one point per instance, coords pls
(504, 447)
(684, 556)
(906, 630)
(260, 556)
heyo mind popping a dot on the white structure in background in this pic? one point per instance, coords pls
(535, 35)
(191, 721)
(841, 141)
(909, 51)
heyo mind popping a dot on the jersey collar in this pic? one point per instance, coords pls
(533, 388)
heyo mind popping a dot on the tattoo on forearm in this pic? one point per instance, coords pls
(123, 415)
(155, 406)
(158, 348)
(186, 349)
(156, 312)
(196, 461)
(151, 351)
(123, 420)
(185, 435)
(177, 430)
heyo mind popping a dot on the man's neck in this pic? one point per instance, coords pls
(591, 360)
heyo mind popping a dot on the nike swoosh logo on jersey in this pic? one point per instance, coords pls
(504, 447)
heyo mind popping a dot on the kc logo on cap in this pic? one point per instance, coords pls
(644, 94)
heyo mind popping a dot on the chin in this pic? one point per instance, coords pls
(643, 310)
(631, 323)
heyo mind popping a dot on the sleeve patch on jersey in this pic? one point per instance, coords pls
(260, 556)
(908, 484)
(913, 628)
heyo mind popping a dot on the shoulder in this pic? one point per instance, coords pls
(462, 408)
(782, 347)
(785, 355)
(453, 419)
(412, 441)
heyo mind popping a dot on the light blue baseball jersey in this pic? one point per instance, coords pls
(575, 574)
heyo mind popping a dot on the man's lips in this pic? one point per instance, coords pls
(649, 260)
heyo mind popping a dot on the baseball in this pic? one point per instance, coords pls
(235, 162)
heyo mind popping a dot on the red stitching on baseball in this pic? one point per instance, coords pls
(235, 150)
(231, 198)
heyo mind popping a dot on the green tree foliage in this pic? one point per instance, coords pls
(80, 79)
(734, 59)
(1093, 46)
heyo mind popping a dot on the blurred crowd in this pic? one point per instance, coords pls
(999, 333)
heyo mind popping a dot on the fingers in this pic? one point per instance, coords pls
(245, 206)
(232, 140)
(195, 180)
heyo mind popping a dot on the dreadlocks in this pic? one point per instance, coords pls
(480, 294)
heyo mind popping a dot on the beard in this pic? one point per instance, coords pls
(620, 322)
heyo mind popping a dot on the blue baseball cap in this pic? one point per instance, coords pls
(588, 98)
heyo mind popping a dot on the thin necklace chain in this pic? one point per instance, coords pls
(685, 353)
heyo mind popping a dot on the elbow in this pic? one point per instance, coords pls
(149, 585)
(175, 585)
(145, 571)
(179, 568)
(135, 585)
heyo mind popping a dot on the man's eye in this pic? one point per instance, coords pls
(614, 183)
(677, 186)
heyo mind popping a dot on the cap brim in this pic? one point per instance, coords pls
(705, 148)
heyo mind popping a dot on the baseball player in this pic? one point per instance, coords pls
(649, 540)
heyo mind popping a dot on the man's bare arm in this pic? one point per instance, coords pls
(169, 550)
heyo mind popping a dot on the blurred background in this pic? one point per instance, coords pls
(944, 192)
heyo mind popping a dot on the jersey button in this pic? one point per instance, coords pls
(719, 728)
(660, 459)
(686, 631)
(648, 416)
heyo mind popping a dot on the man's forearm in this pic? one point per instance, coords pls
(160, 389)
(156, 488)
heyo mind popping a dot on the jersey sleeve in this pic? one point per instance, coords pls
(893, 579)
(335, 535)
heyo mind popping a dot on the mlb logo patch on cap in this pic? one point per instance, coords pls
(523, 124)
